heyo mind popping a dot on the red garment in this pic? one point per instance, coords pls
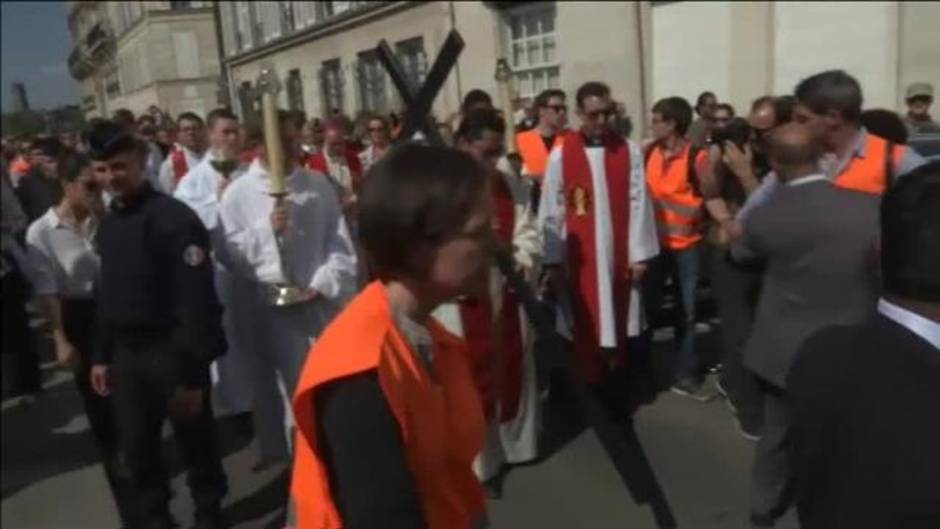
(317, 162)
(582, 246)
(495, 345)
(247, 156)
(180, 167)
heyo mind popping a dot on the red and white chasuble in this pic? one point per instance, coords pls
(597, 221)
(497, 333)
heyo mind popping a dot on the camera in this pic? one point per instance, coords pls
(737, 131)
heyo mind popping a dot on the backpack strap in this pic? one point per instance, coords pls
(693, 172)
(889, 165)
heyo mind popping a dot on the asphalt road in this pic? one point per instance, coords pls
(686, 462)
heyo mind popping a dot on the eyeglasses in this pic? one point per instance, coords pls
(558, 108)
(602, 114)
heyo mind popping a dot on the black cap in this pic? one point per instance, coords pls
(107, 138)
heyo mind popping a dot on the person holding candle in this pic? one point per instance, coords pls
(285, 233)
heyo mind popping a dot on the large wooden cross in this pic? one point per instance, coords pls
(419, 100)
(619, 441)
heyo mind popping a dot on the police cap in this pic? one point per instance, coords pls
(107, 138)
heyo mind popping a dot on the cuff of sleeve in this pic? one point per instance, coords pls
(323, 284)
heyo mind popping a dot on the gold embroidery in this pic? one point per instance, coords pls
(580, 201)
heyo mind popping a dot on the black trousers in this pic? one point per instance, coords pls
(20, 358)
(736, 291)
(145, 374)
(78, 318)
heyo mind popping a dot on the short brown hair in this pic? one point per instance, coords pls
(415, 196)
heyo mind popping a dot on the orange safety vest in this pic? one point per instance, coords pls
(533, 151)
(872, 172)
(677, 202)
(441, 418)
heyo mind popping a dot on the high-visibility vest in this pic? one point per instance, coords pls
(534, 154)
(676, 199)
(440, 417)
(873, 172)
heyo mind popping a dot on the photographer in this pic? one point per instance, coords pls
(739, 163)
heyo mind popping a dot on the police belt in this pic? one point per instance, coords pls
(136, 335)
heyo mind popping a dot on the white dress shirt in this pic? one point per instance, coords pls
(927, 329)
(63, 256)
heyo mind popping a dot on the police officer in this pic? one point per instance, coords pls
(160, 327)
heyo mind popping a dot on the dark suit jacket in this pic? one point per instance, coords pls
(865, 404)
(818, 241)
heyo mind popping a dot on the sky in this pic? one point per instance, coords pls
(34, 49)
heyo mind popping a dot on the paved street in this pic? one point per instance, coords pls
(700, 463)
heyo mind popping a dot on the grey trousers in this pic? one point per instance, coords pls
(771, 485)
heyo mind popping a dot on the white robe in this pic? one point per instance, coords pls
(515, 440)
(231, 374)
(154, 162)
(318, 253)
(643, 242)
(167, 178)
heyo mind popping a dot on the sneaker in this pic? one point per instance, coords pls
(690, 388)
(748, 432)
(724, 394)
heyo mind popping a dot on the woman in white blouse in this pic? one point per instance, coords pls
(65, 266)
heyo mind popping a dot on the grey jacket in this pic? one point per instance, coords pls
(819, 243)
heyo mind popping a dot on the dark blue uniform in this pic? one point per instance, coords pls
(160, 327)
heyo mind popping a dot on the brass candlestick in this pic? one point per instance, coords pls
(285, 293)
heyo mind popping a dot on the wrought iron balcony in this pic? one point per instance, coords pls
(95, 48)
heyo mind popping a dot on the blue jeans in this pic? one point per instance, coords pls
(682, 266)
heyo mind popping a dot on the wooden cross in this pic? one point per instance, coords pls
(419, 101)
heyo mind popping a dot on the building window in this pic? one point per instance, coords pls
(414, 60)
(371, 77)
(288, 21)
(180, 5)
(269, 19)
(244, 32)
(295, 90)
(533, 47)
(305, 14)
(246, 99)
(331, 84)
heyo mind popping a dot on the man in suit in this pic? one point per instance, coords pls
(865, 399)
(818, 242)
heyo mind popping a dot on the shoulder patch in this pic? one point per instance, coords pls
(194, 255)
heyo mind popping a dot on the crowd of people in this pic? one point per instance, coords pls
(400, 375)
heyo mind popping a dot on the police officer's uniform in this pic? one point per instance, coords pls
(160, 327)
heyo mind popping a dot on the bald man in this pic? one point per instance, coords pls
(818, 241)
